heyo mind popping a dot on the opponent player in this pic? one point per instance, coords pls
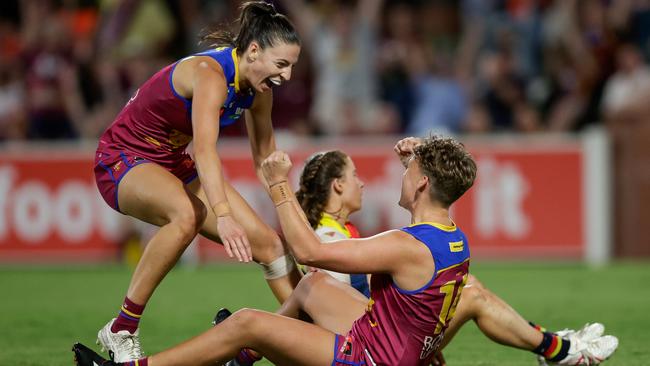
(142, 168)
(418, 274)
(329, 192)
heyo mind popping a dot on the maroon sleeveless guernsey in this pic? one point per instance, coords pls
(156, 123)
(405, 327)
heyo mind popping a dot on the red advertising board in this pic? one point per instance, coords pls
(50, 209)
(527, 201)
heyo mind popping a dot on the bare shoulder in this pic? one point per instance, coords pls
(399, 239)
(192, 68)
(394, 234)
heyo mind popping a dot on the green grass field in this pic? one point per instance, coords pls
(44, 311)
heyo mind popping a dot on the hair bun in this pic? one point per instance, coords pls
(259, 8)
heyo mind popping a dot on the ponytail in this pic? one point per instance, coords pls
(258, 21)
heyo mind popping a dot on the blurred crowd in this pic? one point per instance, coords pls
(367, 66)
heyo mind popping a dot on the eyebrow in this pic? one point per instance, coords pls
(283, 61)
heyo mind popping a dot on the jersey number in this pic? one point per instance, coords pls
(450, 301)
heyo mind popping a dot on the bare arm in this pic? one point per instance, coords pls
(260, 131)
(394, 252)
(209, 93)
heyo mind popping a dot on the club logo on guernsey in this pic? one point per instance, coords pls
(346, 348)
(430, 344)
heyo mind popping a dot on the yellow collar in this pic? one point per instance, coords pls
(235, 60)
(437, 225)
(329, 221)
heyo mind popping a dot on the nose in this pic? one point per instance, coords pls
(286, 73)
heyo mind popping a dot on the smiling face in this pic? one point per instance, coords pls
(269, 67)
(351, 187)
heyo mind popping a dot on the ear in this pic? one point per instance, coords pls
(423, 183)
(252, 51)
(337, 185)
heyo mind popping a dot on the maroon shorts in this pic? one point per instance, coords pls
(348, 352)
(111, 165)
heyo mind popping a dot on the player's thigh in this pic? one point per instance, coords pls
(287, 341)
(330, 303)
(257, 231)
(152, 194)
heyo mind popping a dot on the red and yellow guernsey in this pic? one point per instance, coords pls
(405, 327)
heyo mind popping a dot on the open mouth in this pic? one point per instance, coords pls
(273, 81)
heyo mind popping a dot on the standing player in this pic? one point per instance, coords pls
(418, 274)
(142, 168)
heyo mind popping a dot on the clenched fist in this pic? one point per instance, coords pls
(404, 148)
(276, 167)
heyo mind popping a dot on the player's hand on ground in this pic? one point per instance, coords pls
(404, 148)
(234, 238)
(276, 167)
(438, 359)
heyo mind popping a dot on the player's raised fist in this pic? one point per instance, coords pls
(406, 145)
(276, 167)
(404, 148)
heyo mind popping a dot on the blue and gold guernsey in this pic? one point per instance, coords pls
(328, 230)
(236, 101)
(403, 327)
(156, 123)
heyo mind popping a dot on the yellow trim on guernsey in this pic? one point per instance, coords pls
(235, 60)
(456, 246)
(437, 225)
(328, 221)
(130, 313)
(450, 267)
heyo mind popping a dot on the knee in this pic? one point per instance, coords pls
(246, 319)
(474, 293)
(269, 247)
(309, 281)
(189, 218)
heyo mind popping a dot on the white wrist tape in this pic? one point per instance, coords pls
(279, 267)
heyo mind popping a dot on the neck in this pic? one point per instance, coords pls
(430, 213)
(339, 213)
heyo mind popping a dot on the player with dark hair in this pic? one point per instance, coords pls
(330, 190)
(418, 273)
(143, 170)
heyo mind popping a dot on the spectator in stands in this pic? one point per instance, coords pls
(342, 39)
(629, 88)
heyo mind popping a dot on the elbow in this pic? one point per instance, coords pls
(202, 152)
(302, 258)
(306, 258)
